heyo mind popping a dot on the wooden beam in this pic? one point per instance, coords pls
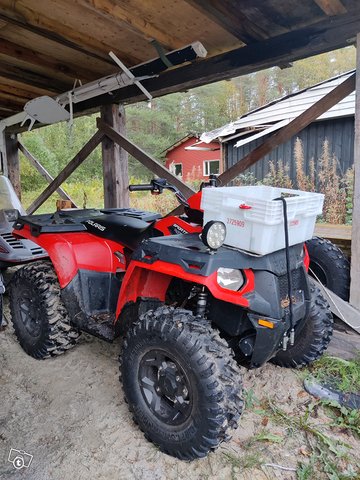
(13, 86)
(27, 76)
(333, 232)
(355, 234)
(29, 56)
(6, 112)
(16, 100)
(228, 14)
(324, 36)
(331, 7)
(17, 91)
(147, 160)
(13, 19)
(12, 161)
(15, 104)
(43, 172)
(67, 171)
(115, 160)
(291, 129)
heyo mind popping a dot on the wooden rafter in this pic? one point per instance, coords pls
(20, 92)
(12, 86)
(331, 7)
(15, 53)
(323, 36)
(11, 99)
(228, 15)
(27, 76)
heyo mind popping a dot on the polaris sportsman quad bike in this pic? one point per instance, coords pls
(185, 304)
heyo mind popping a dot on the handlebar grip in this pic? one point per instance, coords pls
(141, 188)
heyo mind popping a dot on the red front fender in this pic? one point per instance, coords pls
(152, 281)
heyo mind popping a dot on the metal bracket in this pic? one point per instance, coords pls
(129, 74)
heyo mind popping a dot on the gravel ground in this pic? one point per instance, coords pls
(69, 413)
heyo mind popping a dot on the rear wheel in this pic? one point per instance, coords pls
(40, 319)
(329, 265)
(313, 339)
(181, 383)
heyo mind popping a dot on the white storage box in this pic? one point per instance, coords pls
(255, 222)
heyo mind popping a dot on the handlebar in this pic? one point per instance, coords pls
(157, 186)
(141, 188)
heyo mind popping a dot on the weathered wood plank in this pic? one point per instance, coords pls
(16, 53)
(344, 345)
(147, 160)
(346, 312)
(355, 246)
(43, 172)
(67, 171)
(9, 17)
(284, 134)
(115, 160)
(333, 232)
(323, 36)
(12, 161)
(122, 14)
(25, 76)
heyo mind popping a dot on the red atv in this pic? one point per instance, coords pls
(185, 304)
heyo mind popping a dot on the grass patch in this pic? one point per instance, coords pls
(245, 462)
(328, 456)
(90, 194)
(343, 375)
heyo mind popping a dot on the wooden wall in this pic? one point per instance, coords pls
(339, 132)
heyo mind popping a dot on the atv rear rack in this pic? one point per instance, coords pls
(65, 221)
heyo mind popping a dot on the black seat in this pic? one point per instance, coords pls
(128, 231)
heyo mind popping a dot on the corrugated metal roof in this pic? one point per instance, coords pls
(288, 108)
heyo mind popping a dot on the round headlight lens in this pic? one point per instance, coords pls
(230, 278)
(213, 234)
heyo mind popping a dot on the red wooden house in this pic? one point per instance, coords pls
(191, 159)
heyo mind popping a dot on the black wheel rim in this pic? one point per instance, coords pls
(165, 387)
(29, 312)
(316, 271)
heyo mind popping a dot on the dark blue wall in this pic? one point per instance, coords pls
(339, 132)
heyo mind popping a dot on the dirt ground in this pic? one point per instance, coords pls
(69, 413)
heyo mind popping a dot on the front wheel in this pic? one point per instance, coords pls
(313, 339)
(181, 383)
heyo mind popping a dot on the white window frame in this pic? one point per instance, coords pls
(206, 166)
(181, 165)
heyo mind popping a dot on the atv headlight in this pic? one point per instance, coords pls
(213, 234)
(230, 278)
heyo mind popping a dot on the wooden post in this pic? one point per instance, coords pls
(147, 160)
(115, 160)
(355, 234)
(12, 161)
